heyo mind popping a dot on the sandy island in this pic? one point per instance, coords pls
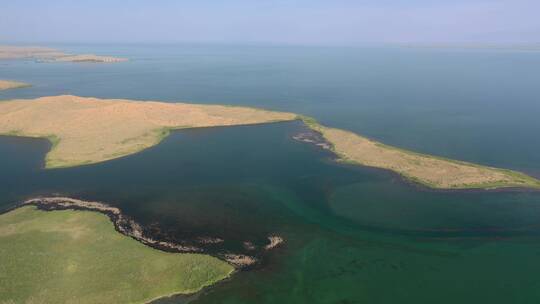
(87, 130)
(52, 55)
(8, 84)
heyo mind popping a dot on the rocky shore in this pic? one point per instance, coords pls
(129, 227)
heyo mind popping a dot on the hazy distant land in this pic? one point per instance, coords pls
(53, 55)
(8, 84)
(477, 46)
(89, 130)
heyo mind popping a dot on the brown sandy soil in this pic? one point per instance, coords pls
(7, 84)
(429, 170)
(48, 54)
(90, 130)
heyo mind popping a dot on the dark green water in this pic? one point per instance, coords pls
(353, 235)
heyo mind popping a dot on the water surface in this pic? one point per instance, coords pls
(353, 234)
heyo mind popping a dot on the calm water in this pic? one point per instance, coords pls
(354, 235)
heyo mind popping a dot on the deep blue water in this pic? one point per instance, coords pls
(354, 235)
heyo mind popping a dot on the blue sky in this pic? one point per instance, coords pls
(332, 22)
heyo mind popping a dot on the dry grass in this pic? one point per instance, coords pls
(90, 130)
(7, 84)
(431, 171)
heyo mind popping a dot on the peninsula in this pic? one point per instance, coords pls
(8, 84)
(52, 55)
(87, 130)
(431, 171)
(90, 130)
(68, 256)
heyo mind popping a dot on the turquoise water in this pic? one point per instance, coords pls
(354, 235)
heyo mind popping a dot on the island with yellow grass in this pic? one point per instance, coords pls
(431, 171)
(51, 55)
(8, 84)
(86, 130)
(89, 130)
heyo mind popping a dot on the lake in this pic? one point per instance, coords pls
(353, 234)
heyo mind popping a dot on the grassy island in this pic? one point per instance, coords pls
(431, 171)
(87, 130)
(77, 257)
(8, 84)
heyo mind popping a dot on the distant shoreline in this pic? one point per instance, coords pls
(52, 55)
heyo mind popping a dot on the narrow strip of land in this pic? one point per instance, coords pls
(431, 171)
(52, 55)
(8, 84)
(87, 130)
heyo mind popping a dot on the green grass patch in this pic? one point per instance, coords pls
(78, 257)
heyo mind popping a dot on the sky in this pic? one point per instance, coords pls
(304, 22)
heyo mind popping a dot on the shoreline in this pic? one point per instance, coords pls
(317, 139)
(45, 54)
(102, 216)
(126, 226)
(133, 126)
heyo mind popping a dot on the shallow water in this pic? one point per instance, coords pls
(353, 234)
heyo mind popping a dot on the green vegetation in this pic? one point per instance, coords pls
(78, 257)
